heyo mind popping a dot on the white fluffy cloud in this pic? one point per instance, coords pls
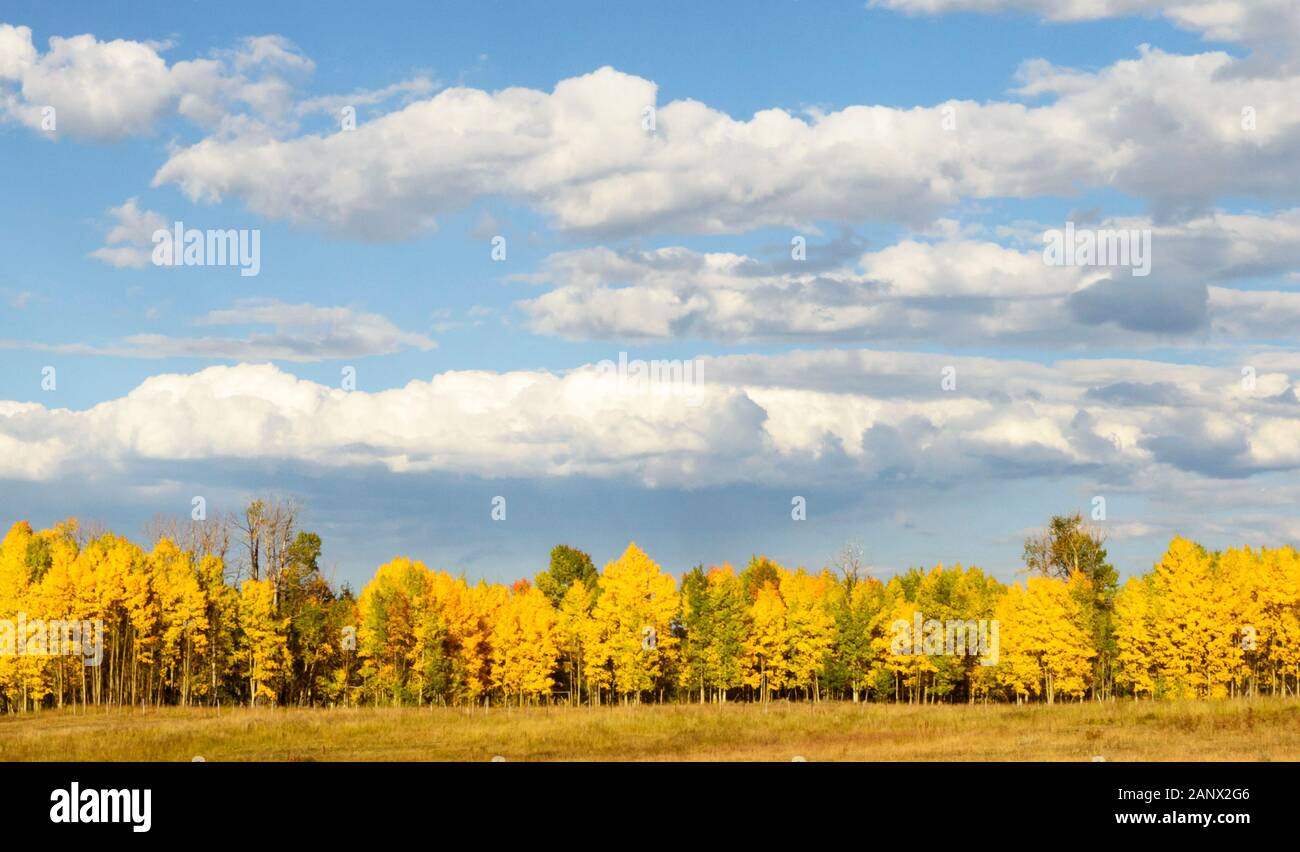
(108, 90)
(100, 90)
(580, 153)
(958, 291)
(831, 414)
(129, 241)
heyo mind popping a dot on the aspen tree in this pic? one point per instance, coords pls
(574, 626)
(809, 628)
(1043, 650)
(766, 646)
(263, 642)
(525, 645)
(633, 622)
(1135, 636)
(1195, 649)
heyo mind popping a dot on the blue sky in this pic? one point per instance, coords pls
(821, 121)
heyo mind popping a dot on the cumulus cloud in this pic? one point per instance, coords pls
(100, 90)
(104, 91)
(299, 333)
(962, 291)
(580, 154)
(834, 415)
(130, 239)
(107, 90)
(959, 291)
(250, 89)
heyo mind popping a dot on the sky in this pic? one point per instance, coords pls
(837, 213)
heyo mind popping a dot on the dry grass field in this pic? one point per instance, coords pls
(1237, 730)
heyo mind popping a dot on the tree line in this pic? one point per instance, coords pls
(237, 611)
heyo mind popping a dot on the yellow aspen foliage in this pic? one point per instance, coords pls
(1135, 636)
(263, 642)
(1268, 585)
(809, 627)
(597, 666)
(390, 609)
(106, 562)
(977, 596)
(1233, 602)
(474, 610)
(175, 630)
(51, 556)
(1043, 651)
(574, 626)
(767, 667)
(142, 614)
(55, 598)
(1018, 672)
(15, 575)
(525, 644)
(901, 650)
(14, 580)
(1284, 647)
(183, 610)
(1196, 649)
(632, 635)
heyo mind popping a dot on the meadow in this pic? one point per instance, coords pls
(1265, 729)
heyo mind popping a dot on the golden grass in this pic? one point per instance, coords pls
(1262, 729)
